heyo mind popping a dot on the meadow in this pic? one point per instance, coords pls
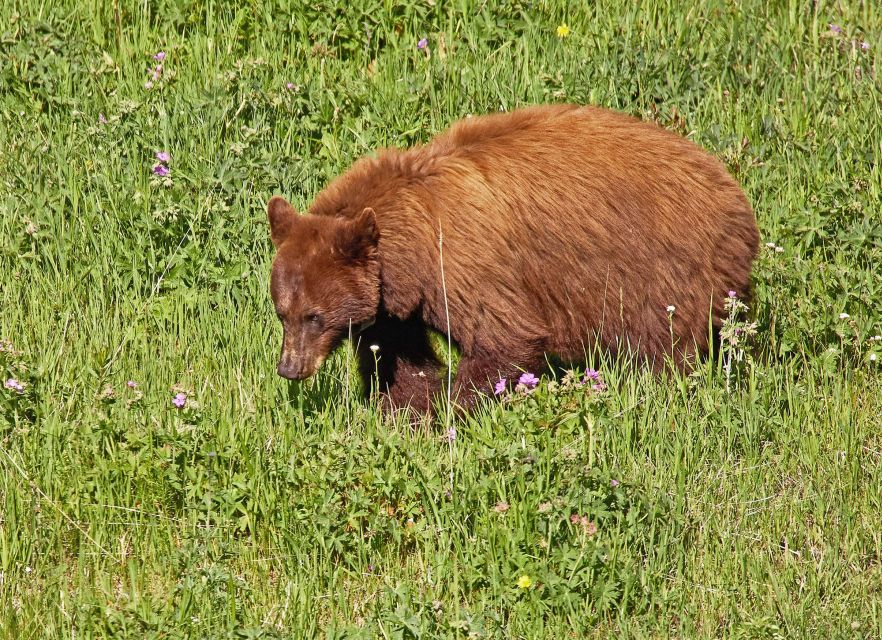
(158, 480)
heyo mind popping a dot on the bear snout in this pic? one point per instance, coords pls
(291, 371)
(299, 368)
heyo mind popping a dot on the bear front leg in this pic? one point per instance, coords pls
(478, 374)
(403, 366)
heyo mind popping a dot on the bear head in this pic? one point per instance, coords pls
(325, 282)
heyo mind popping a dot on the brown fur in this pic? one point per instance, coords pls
(561, 225)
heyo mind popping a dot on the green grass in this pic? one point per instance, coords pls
(747, 506)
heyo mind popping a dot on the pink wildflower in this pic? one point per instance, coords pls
(528, 380)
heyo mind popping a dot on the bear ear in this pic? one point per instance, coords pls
(360, 235)
(281, 219)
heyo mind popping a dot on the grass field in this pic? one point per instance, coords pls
(745, 504)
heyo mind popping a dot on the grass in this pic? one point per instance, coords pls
(742, 506)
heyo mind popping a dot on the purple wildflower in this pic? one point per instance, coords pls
(161, 170)
(613, 483)
(155, 73)
(835, 28)
(148, 85)
(591, 374)
(451, 434)
(131, 384)
(289, 86)
(528, 380)
(15, 385)
(500, 386)
(599, 387)
(865, 46)
(733, 294)
(180, 400)
(160, 56)
(423, 43)
(163, 156)
(102, 119)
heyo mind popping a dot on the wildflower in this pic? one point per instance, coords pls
(599, 387)
(161, 170)
(422, 44)
(779, 249)
(15, 385)
(591, 374)
(865, 46)
(156, 72)
(501, 506)
(844, 316)
(160, 56)
(671, 308)
(102, 119)
(525, 582)
(732, 294)
(131, 384)
(613, 483)
(528, 380)
(586, 524)
(544, 507)
(180, 400)
(31, 228)
(148, 85)
(873, 357)
(163, 156)
(770, 245)
(289, 86)
(374, 348)
(451, 434)
(563, 31)
(835, 28)
(500, 386)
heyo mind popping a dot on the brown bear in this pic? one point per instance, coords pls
(556, 228)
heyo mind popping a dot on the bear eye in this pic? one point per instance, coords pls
(313, 318)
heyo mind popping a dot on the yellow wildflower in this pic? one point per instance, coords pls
(525, 582)
(563, 31)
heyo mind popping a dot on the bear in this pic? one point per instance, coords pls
(541, 232)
